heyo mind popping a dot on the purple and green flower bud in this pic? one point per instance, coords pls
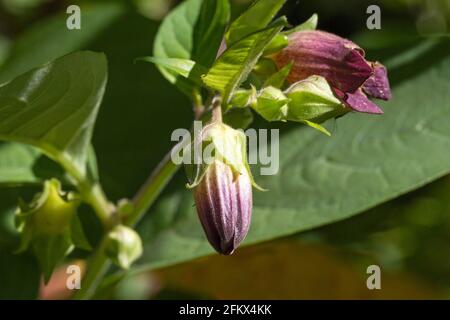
(341, 62)
(223, 187)
(224, 205)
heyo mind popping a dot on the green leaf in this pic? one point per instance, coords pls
(310, 24)
(192, 31)
(54, 108)
(367, 161)
(234, 65)
(209, 31)
(255, 18)
(54, 40)
(23, 164)
(4, 48)
(183, 67)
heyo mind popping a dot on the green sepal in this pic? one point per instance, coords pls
(49, 225)
(224, 144)
(243, 98)
(238, 118)
(278, 43)
(310, 24)
(278, 79)
(263, 70)
(50, 250)
(313, 100)
(271, 104)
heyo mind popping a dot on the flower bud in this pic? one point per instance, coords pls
(50, 212)
(50, 226)
(223, 188)
(123, 246)
(341, 62)
(224, 205)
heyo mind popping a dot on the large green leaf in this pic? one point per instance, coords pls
(234, 65)
(50, 38)
(253, 19)
(192, 31)
(367, 161)
(54, 107)
(20, 163)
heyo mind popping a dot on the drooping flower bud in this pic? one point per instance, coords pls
(224, 205)
(223, 188)
(341, 62)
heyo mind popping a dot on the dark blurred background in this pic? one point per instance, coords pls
(406, 237)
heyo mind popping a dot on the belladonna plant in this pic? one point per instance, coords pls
(297, 75)
(326, 77)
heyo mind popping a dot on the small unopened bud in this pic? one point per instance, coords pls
(123, 246)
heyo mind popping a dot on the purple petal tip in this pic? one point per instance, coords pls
(377, 85)
(358, 101)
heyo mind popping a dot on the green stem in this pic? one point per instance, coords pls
(97, 267)
(98, 263)
(93, 194)
(152, 188)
